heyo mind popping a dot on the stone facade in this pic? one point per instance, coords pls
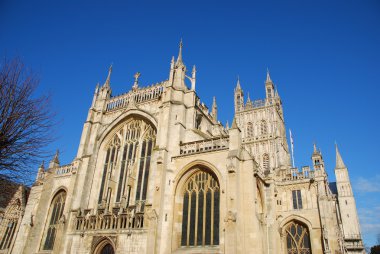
(156, 172)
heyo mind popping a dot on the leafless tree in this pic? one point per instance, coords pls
(26, 122)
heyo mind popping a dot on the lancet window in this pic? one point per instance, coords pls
(266, 161)
(297, 238)
(55, 214)
(128, 154)
(263, 127)
(9, 224)
(250, 132)
(200, 221)
(109, 165)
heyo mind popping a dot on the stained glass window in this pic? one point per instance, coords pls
(297, 239)
(200, 221)
(55, 213)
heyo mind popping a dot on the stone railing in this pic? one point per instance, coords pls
(258, 103)
(139, 96)
(127, 219)
(293, 174)
(352, 237)
(66, 169)
(204, 146)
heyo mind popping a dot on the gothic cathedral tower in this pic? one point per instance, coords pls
(263, 127)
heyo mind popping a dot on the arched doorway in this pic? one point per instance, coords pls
(297, 238)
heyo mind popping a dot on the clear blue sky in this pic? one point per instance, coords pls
(324, 57)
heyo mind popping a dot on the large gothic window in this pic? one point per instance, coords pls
(128, 154)
(297, 239)
(8, 224)
(55, 213)
(200, 221)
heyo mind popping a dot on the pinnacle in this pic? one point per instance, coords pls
(269, 80)
(238, 87)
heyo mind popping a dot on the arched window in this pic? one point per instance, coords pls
(297, 238)
(55, 213)
(250, 130)
(200, 221)
(130, 147)
(111, 158)
(266, 161)
(263, 127)
(8, 224)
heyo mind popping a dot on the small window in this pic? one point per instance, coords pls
(297, 199)
(263, 127)
(249, 129)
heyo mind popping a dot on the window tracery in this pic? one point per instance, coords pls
(266, 161)
(297, 238)
(129, 153)
(263, 127)
(250, 130)
(200, 221)
(9, 224)
(55, 213)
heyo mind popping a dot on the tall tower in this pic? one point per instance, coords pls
(350, 222)
(263, 127)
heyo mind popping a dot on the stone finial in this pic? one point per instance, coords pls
(339, 161)
(136, 83)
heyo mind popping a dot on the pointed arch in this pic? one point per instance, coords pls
(126, 153)
(104, 245)
(297, 238)
(53, 220)
(197, 207)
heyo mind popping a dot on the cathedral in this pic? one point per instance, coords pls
(156, 172)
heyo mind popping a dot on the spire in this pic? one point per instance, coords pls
(315, 148)
(107, 83)
(42, 166)
(339, 161)
(269, 80)
(238, 87)
(214, 110)
(179, 59)
(227, 125)
(248, 99)
(56, 159)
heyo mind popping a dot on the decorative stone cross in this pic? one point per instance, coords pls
(135, 85)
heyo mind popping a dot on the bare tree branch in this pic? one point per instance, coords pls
(26, 121)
